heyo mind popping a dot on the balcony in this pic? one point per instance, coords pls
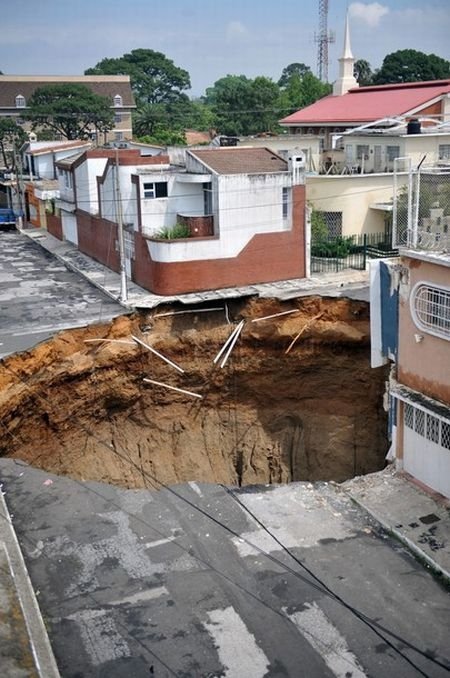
(199, 226)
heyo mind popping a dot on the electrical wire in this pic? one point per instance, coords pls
(321, 587)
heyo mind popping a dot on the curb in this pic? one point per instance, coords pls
(410, 545)
(44, 659)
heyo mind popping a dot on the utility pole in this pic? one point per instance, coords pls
(119, 217)
(19, 187)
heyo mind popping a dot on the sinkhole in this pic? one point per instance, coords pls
(295, 400)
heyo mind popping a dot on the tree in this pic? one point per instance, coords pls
(301, 89)
(70, 109)
(363, 72)
(154, 78)
(230, 99)
(293, 69)
(409, 65)
(12, 136)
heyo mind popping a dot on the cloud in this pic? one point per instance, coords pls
(236, 30)
(370, 14)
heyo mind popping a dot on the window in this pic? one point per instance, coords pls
(362, 151)
(118, 100)
(430, 309)
(117, 117)
(66, 178)
(392, 152)
(207, 198)
(20, 101)
(118, 136)
(157, 189)
(444, 151)
(430, 426)
(285, 202)
(333, 221)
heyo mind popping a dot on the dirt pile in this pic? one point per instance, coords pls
(269, 416)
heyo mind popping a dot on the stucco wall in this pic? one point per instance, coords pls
(352, 195)
(423, 365)
(267, 257)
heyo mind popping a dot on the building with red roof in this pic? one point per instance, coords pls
(351, 106)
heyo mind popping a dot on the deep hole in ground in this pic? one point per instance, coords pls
(315, 413)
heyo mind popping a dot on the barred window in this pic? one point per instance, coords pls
(444, 151)
(392, 152)
(429, 426)
(430, 309)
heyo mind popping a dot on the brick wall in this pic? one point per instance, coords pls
(98, 238)
(54, 226)
(268, 257)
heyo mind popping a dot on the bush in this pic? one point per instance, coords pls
(336, 248)
(173, 232)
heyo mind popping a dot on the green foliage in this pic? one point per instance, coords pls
(301, 90)
(163, 137)
(12, 136)
(409, 65)
(154, 78)
(319, 228)
(70, 109)
(363, 73)
(297, 69)
(333, 247)
(173, 232)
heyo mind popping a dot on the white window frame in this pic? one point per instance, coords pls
(432, 317)
(21, 102)
(118, 101)
(149, 193)
(392, 152)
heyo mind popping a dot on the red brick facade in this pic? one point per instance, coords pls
(98, 238)
(54, 226)
(268, 257)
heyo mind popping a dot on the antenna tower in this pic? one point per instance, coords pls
(323, 38)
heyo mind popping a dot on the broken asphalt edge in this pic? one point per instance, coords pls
(406, 541)
(41, 648)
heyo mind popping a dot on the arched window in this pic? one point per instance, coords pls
(430, 309)
(118, 100)
(20, 101)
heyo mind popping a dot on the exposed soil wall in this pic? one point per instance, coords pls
(269, 416)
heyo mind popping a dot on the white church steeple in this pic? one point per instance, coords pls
(346, 79)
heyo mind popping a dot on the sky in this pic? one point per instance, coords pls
(212, 38)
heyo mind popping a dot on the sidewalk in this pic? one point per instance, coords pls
(417, 518)
(25, 650)
(349, 283)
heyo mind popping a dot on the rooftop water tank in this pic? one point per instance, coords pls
(413, 126)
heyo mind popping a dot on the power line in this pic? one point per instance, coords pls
(319, 585)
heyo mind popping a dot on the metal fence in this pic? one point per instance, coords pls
(421, 209)
(330, 254)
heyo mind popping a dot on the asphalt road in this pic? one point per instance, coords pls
(185, 582)
(39, 296)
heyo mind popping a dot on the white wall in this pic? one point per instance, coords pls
(86, 183)
(69, 227)
(247, 205)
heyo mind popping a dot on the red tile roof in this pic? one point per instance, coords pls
(364, 104)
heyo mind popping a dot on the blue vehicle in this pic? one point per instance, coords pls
(7, 218)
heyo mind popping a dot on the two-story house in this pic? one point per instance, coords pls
(242, 209)
(410, 325)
